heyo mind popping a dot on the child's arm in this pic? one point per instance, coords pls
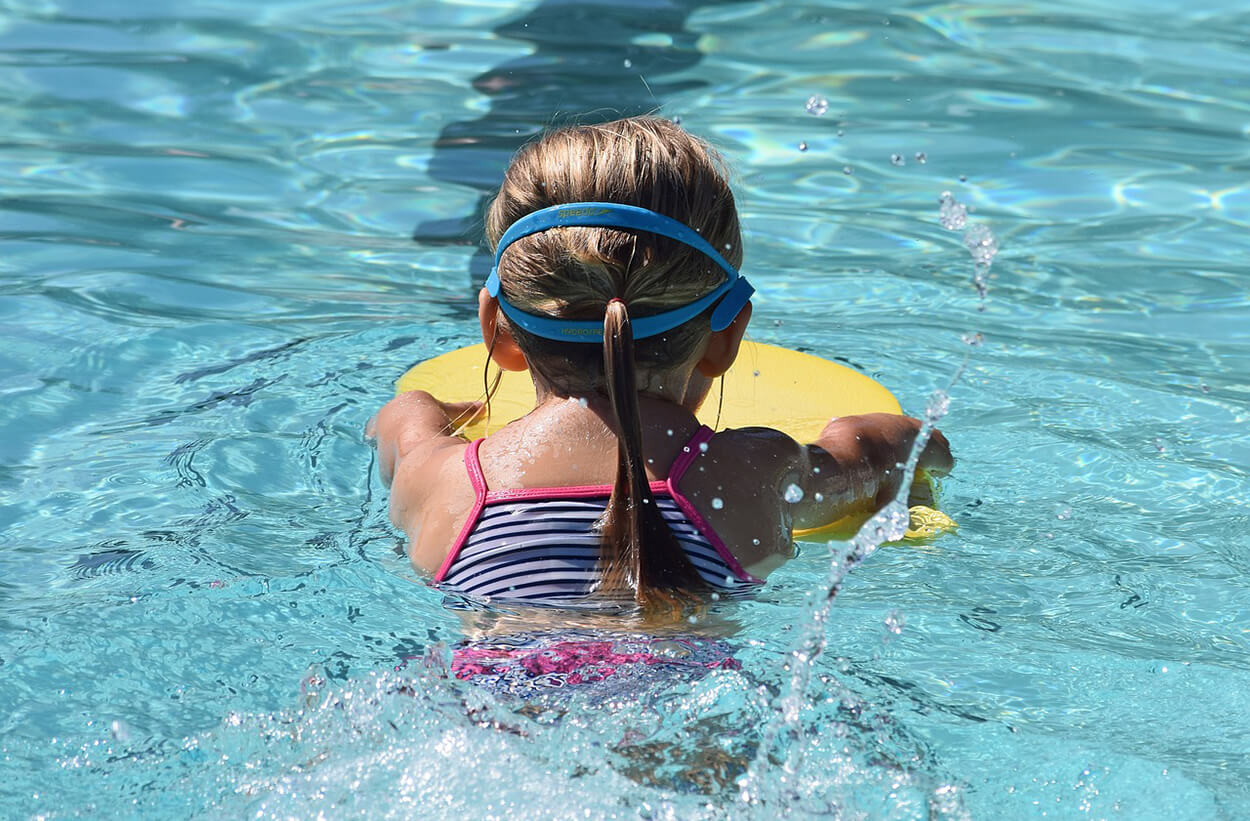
(412, 425)
(853, 466)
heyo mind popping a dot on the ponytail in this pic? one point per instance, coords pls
(639, 553)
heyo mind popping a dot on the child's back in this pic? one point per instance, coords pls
(616, 286)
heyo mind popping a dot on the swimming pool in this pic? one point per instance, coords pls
(210, 280)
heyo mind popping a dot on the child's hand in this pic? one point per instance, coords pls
(857, 464)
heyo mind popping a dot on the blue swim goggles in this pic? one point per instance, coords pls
(732, 294)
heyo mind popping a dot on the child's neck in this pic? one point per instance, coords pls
(687, 390)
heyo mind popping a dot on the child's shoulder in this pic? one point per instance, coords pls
(760, 446)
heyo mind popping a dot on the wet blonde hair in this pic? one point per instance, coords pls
(614, 274)
(573, 272)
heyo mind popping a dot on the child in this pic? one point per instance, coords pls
(616, 286)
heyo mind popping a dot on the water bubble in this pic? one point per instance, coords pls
(1204, 387)
(973, 339)
(846, 169)
(583, 401)
(951, 212)
(963, 177)
(670, 431)
(894, 622)
(803, 146)
(717, 503)
(820, 497)
(793, 494)
(921, 158)
(755, 373)
(1160, 446)
(629, 63)
(817, 105)
(840, 132)
(980, 242)
(897, 159)
(1064, 513)
(677, 121)
(755, 542)
(703, 447)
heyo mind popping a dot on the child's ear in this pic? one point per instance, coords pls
(506, 353)
(722, 346)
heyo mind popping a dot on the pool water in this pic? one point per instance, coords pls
(228, 227)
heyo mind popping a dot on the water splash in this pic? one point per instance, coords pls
(952, 213)
(980, 242)
(978, 239)
(772, 779)
(817, 105)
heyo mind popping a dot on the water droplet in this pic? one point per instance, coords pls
(715, 597)
(755, 541)
(846, 169)
(670, 431)
(973, 339)
(793, 494)
(755, 373)
(692, 618)
(840, 132)
(717, 503)
(963, 177)
(897, 159)
(820, 497)
(939, 403)
(1160, 446)
(1064, 513)
(980, 242)
(894, 622)
(803, 146)
(817, 105)
(815, 470)
(685, 448)
(921, 158)
(629, 63)
(703, 447)
(951, 212)
(677, 121)
(583, 401)
(1205, 388)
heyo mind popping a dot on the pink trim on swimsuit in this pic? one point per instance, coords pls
(478, 480)
(483, 495)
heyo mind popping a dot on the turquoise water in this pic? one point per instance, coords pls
(210, 280)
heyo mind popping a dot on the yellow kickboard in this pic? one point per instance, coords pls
(768, 386)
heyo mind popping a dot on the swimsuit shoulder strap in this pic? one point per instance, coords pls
(688, 454)
(472, 466)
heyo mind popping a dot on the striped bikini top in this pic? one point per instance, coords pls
(541, 544)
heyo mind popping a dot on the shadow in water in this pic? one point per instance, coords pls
(591, 62)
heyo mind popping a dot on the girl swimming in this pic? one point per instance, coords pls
(616, 286)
